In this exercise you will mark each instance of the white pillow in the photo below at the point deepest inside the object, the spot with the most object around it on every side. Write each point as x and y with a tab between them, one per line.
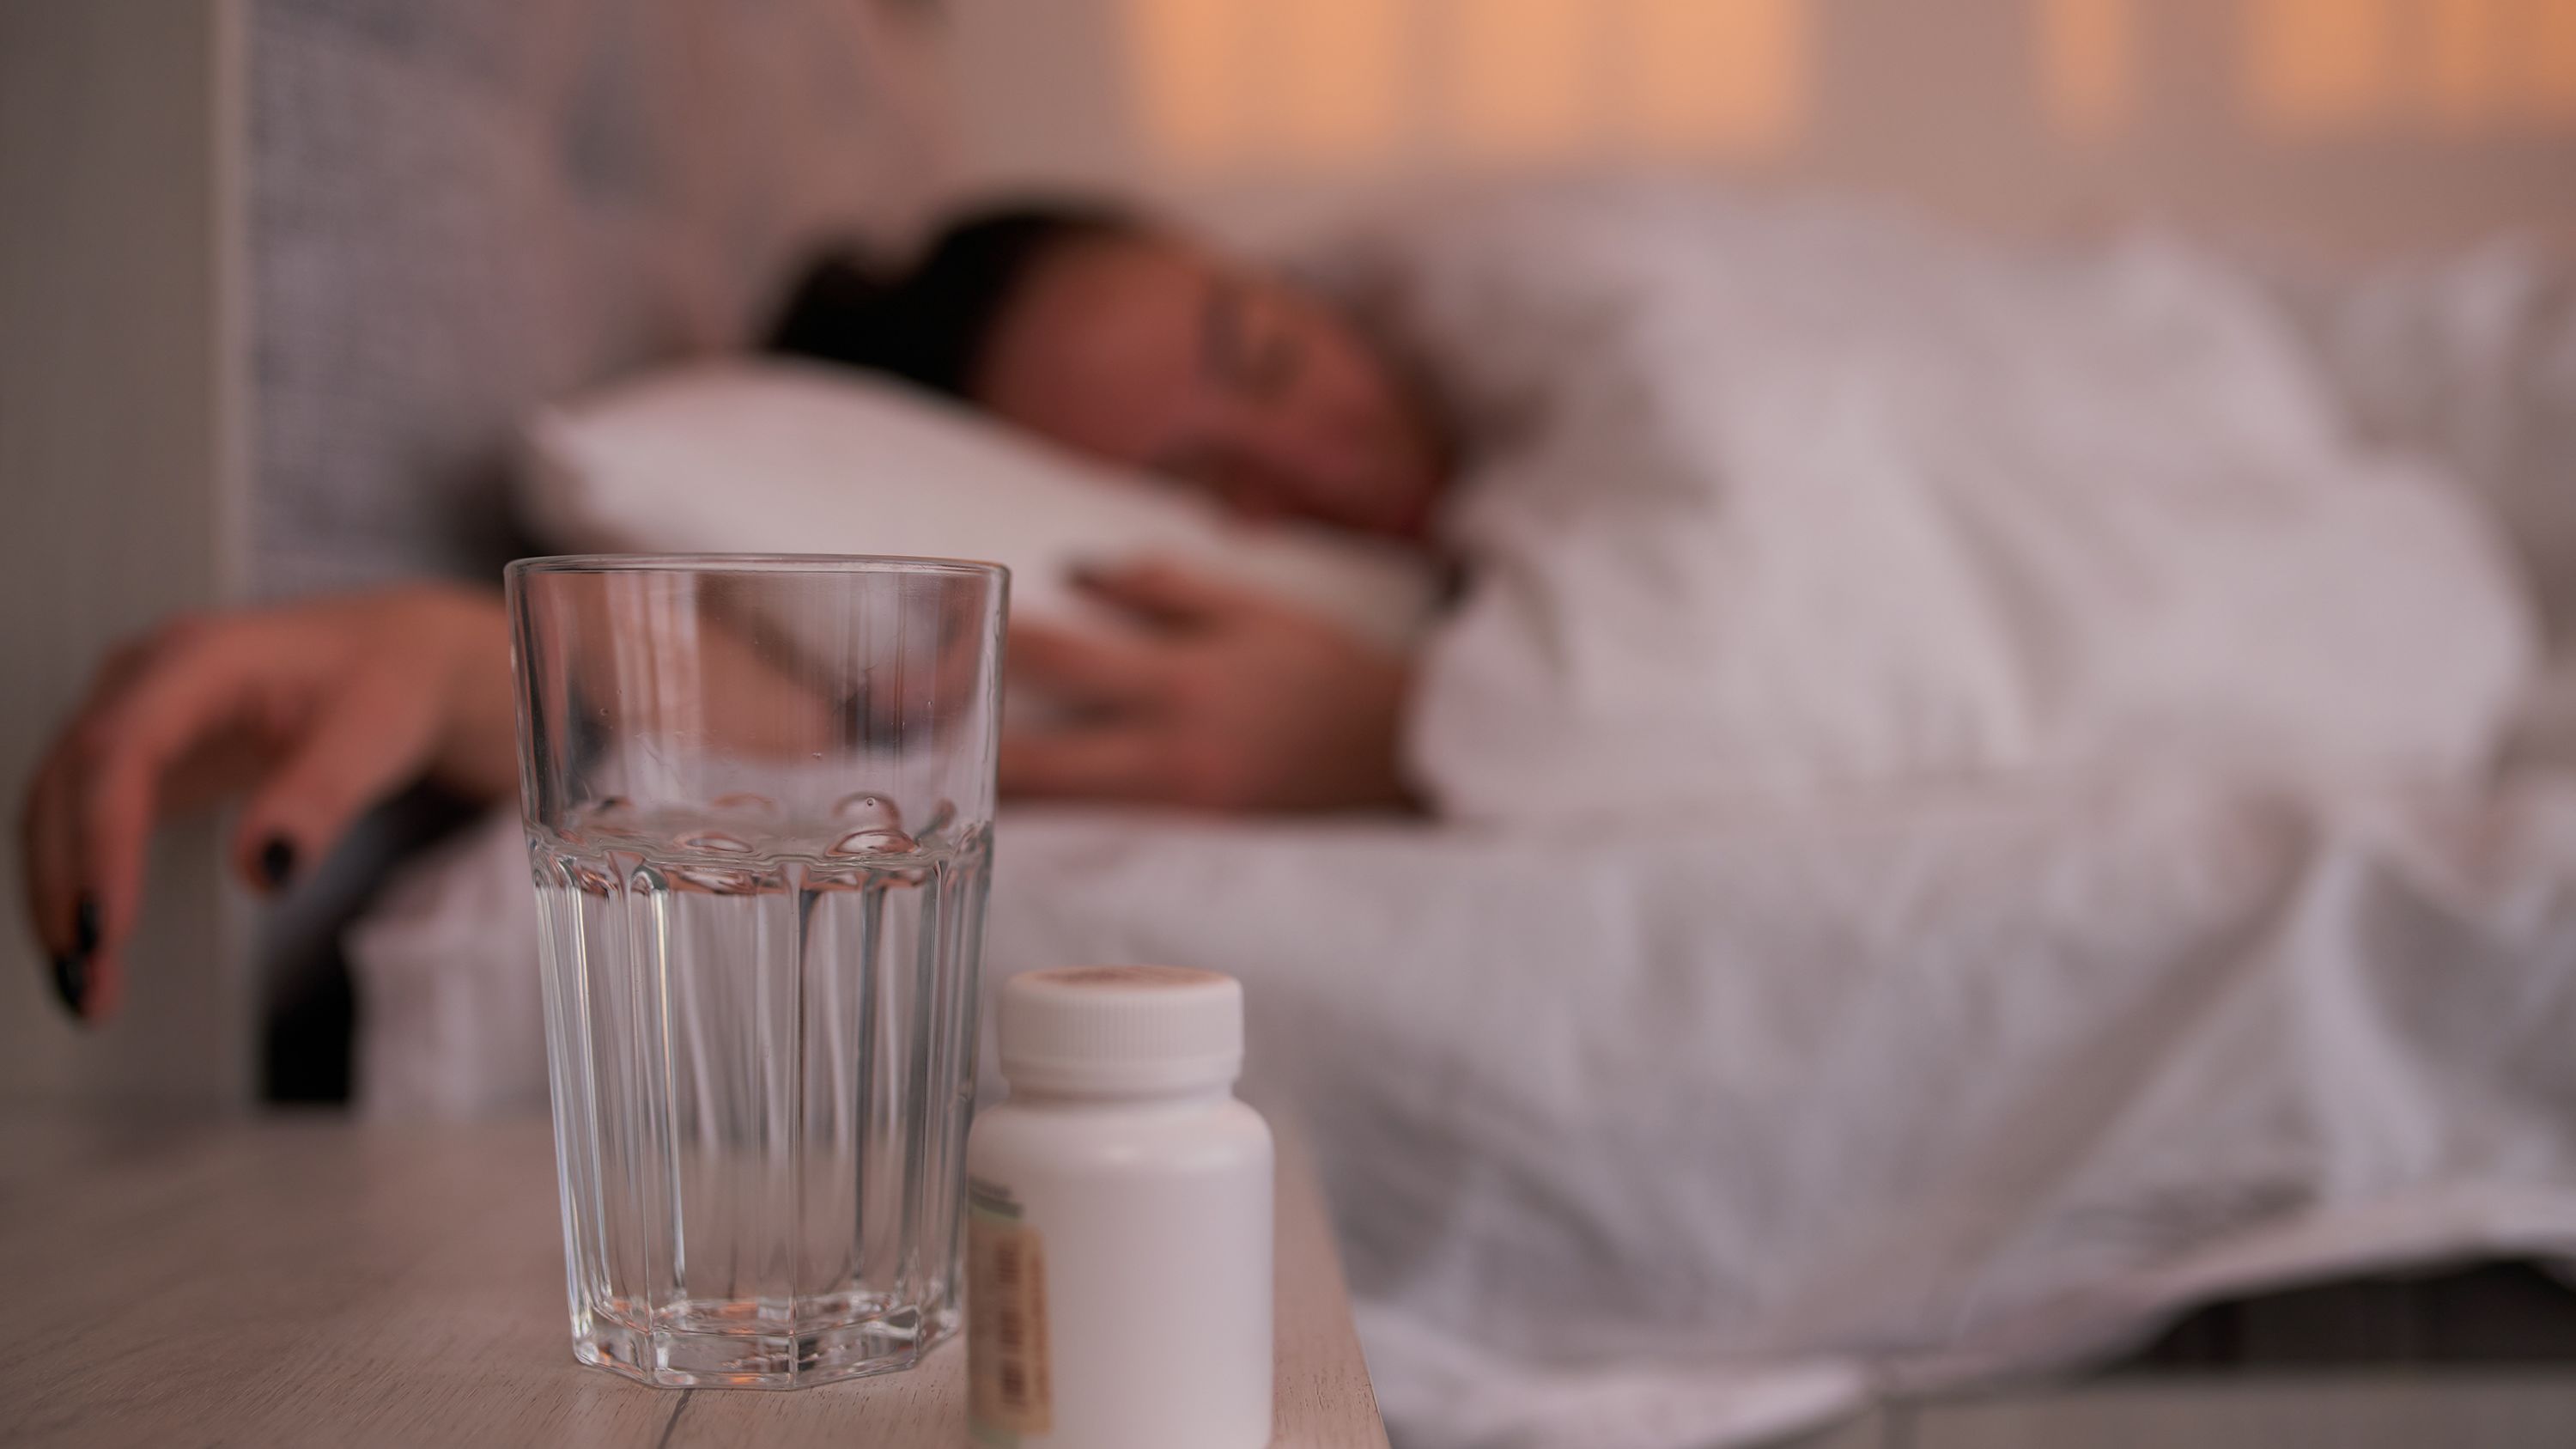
776	457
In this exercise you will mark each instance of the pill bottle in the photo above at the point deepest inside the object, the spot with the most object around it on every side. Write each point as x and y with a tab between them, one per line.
1118	1231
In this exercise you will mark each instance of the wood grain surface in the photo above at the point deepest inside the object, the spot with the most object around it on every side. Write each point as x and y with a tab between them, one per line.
315	1282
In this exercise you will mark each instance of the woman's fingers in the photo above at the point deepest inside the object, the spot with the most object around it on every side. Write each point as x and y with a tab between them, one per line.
362	745
201	684
1087	668
1114	762
64	912
1167	593
49	852
329	705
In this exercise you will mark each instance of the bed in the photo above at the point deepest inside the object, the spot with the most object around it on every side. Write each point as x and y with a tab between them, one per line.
1687	1137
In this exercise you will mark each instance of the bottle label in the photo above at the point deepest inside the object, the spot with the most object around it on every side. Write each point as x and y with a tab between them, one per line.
1006	1320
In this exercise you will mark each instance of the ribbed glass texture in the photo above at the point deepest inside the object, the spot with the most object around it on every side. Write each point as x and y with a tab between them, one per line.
758	795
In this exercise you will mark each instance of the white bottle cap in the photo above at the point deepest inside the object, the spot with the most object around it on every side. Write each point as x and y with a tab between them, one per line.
1121	1030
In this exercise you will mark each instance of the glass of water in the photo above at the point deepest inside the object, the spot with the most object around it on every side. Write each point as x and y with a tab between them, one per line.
759	801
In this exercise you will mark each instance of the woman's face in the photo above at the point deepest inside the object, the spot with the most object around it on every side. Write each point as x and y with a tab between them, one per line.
1150	353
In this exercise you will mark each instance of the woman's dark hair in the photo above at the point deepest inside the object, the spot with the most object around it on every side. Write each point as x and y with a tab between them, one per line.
930	325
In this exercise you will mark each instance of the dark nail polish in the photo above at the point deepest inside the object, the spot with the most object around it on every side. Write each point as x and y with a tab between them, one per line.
277	861
71	983
85	931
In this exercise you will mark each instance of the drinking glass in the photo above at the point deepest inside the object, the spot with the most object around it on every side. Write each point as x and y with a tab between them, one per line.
759	798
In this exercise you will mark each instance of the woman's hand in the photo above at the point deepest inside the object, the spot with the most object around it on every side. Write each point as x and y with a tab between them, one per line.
1221	699
320	709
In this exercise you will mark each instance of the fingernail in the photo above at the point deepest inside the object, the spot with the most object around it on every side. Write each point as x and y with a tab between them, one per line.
277	861
71	983
85	933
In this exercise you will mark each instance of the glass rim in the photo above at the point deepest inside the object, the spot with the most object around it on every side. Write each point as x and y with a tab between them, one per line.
751	563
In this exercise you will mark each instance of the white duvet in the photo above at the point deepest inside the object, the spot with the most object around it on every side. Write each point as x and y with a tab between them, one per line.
1770	497
1673	1138
1879	939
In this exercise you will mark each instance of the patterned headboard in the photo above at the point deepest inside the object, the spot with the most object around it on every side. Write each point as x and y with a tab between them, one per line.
460	209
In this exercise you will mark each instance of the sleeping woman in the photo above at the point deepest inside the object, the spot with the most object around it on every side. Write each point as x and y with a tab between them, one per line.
1752	502
1130	342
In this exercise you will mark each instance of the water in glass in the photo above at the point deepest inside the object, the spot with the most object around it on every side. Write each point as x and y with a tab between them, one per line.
762	1030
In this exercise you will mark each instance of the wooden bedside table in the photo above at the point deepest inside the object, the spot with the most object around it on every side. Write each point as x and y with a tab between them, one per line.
309	1280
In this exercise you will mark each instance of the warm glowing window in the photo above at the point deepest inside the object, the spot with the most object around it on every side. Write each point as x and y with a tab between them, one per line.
1317	82
1188	83
2340	65
1345	83
2318	64
1515	76
1699	77
2088	64
2549	62
2468	69
1353	85
1337	75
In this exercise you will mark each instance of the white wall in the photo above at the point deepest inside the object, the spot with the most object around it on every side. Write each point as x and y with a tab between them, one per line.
2336	125
115	468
